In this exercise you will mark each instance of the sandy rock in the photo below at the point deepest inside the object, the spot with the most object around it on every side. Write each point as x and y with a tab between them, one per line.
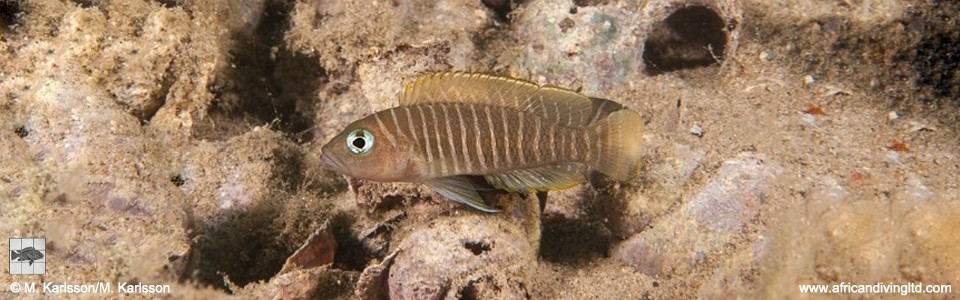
20	184
151	57
735	195
733	277
704	223
472	254
860	237
385	195
405	63
110	189
597	48
631	208
340	39
236	176
377	239
67	123
372	283
367	69
145	58
594	48
315	283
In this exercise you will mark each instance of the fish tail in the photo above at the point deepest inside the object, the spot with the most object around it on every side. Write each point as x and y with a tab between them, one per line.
14	255
620	136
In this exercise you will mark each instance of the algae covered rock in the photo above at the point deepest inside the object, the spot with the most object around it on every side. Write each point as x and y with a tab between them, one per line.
468	254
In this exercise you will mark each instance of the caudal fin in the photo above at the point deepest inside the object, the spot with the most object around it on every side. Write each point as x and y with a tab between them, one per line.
14	255
620	137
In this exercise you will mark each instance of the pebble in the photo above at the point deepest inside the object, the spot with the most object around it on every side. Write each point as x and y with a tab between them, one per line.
696	130
766	56
892	116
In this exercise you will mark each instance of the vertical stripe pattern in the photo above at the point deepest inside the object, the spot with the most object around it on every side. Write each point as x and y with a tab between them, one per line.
465	138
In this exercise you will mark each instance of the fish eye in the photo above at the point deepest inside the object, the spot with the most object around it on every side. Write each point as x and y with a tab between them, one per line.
360	141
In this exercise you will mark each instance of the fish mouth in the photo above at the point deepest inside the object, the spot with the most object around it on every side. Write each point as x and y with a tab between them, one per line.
331	162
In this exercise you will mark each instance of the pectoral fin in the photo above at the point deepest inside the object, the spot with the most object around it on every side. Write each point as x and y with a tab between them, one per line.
460	189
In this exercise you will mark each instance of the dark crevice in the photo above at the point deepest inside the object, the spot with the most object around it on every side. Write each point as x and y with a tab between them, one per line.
266	83
177	180
169	3
9	13
501	8
243	248
86	3
297	77
294	78
21	131
349	253
470	291
691	37
573	241
583	3
478	247
937	60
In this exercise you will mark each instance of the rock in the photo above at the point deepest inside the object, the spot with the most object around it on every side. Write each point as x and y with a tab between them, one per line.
629	208
384	195
734	197
766	56
376	240
151	56
706	222
837	234
345	33
317	250
729	280
315	283
373	281
470	254
108	170
385	73
596	49
232	177
600	47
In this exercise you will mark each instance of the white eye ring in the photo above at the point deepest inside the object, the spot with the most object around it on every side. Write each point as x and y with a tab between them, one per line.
360	141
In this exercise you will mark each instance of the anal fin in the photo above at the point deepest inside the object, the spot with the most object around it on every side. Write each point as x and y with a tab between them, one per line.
545	178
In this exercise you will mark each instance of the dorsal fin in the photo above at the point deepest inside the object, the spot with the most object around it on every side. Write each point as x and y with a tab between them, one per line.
559	105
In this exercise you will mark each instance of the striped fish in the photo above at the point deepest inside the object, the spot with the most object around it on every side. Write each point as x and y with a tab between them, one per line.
519	137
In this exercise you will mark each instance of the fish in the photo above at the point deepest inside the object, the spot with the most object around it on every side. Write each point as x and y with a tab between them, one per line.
28	253
450	128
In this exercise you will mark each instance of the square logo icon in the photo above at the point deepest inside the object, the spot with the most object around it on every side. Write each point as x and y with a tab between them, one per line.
28	256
